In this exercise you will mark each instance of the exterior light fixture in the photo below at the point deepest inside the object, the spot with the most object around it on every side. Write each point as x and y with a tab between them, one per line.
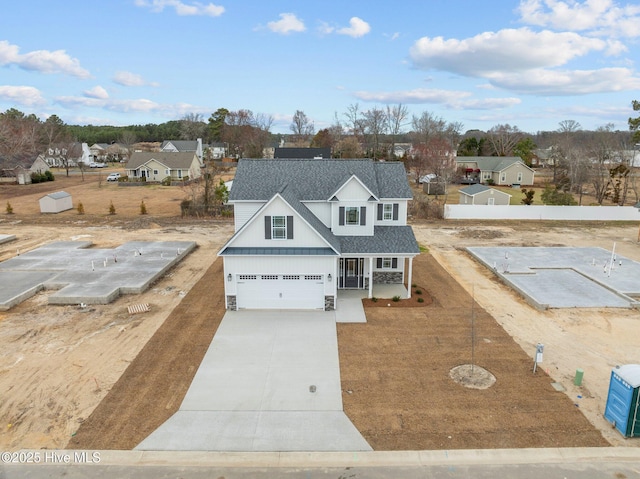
329	277
229	277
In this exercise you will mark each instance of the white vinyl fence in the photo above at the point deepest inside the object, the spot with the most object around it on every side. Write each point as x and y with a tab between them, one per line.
540	212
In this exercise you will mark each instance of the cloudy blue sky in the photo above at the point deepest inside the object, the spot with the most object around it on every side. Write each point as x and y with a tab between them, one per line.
529	63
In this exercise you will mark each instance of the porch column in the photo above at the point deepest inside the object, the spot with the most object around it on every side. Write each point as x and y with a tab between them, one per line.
370	278
409	278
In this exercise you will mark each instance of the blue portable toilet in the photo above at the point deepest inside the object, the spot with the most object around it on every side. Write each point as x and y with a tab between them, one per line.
623	400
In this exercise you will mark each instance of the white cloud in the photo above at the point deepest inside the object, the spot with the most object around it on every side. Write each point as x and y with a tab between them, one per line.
126	78
97	92
288	23
596	16
182	9
22	95
568	82
43	61
450	98
357	28
505	50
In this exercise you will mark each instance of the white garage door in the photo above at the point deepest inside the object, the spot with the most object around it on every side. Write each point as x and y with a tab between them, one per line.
278	291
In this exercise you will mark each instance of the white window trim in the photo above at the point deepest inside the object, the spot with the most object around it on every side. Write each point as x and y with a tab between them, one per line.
387	263
347	222
387	212
278	228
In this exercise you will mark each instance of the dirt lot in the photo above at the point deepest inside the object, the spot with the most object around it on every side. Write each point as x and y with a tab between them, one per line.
85	378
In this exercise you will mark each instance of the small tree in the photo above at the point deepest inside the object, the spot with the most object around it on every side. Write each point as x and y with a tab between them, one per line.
221	192
112	209
143	208
9	208
80	208
528	196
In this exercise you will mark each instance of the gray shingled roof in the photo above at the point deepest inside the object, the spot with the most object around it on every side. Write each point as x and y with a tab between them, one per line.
490	163
474	189
180	160
385	240
182	145
259	180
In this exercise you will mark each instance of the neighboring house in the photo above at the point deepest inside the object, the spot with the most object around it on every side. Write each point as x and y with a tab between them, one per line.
99	151
63	156
502	170
483	195
217	151
39	166
302	153
156	166
306	229
184	146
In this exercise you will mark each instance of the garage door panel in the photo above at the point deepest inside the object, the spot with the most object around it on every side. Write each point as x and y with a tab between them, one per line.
280	292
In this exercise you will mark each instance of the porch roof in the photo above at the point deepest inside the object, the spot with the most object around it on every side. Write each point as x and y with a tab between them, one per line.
386	240
244	251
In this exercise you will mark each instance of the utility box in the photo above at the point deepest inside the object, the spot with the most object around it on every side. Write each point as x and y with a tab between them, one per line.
623	400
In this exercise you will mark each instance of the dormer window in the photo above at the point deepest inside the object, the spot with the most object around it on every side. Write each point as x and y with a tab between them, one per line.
352	215
387	213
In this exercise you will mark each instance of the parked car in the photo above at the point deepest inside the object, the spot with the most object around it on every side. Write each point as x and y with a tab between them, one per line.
113	177
93	164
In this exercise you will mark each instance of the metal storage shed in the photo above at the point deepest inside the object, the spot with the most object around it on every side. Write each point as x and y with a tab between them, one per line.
623	400
56	202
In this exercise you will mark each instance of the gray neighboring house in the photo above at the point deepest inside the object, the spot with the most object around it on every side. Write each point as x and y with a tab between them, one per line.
184	146
483	195
156	166
305	229
502	170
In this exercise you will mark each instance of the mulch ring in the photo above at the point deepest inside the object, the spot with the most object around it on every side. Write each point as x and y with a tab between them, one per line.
420	297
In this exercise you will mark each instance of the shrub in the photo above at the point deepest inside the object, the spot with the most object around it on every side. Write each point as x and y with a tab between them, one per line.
166	181
143	208
80	208
9	208
48	176
395	299
123	178
112	209
413	285
374	299
418	291
420	300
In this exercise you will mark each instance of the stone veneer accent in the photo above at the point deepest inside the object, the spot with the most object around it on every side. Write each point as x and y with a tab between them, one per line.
387	277
329	303
231	303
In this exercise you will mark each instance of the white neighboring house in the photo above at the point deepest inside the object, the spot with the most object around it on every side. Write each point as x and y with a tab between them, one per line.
158	165
305	229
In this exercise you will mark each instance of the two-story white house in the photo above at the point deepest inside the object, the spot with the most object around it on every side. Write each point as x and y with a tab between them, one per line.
305	229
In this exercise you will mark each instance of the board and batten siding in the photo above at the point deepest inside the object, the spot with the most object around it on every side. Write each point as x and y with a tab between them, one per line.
322	211
243	211
402	213
253	235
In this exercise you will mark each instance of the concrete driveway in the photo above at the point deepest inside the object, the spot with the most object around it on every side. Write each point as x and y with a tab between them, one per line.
270	381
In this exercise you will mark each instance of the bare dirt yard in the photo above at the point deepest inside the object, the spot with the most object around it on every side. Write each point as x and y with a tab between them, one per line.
102	378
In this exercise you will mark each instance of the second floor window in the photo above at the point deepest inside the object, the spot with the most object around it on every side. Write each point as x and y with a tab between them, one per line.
279	227
352	215
387	213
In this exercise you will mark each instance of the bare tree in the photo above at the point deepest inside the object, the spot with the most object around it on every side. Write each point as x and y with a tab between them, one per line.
193	126
600	151
375	123
302	127
397	119
355	121
503	139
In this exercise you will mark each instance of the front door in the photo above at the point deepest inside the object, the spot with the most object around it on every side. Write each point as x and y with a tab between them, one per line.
351	270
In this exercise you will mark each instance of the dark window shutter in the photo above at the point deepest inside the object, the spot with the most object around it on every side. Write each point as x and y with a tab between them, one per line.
379	263
341	216
380	208
363	215
267	227
289	227
394	263
395	211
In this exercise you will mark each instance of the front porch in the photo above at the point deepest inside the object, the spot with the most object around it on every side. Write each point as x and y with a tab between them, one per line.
380	277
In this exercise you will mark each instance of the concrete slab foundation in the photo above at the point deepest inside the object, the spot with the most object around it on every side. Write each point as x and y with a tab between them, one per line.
87	275
7	238
270	381
565	277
